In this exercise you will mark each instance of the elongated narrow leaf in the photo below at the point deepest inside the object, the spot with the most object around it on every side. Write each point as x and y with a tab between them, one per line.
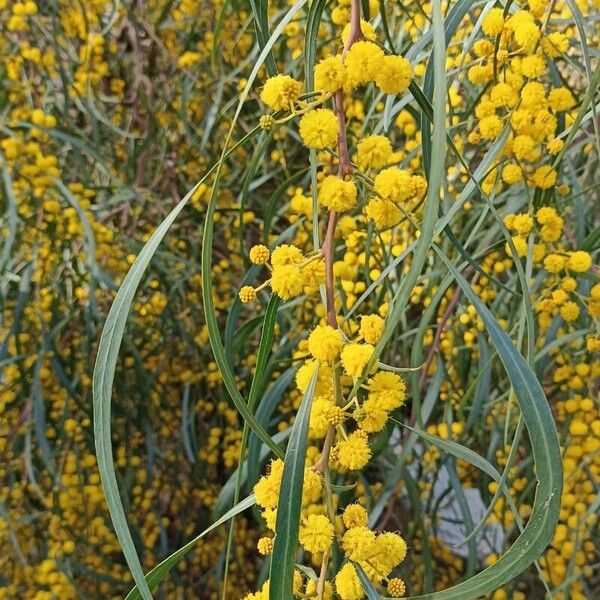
546	454
290	502
104	373
159	572
366	583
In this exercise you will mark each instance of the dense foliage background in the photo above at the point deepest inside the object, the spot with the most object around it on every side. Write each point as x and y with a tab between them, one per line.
111	112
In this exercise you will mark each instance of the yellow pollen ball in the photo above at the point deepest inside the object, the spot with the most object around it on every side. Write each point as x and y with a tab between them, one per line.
319	128
325	343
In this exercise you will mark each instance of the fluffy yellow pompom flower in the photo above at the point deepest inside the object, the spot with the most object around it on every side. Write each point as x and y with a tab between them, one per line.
312	487
527	34
286	254
493	22
544	177
371	417
325	343
316	533
561	99
287	281
319	128
362	62
266	489
387	389
355	358
347	584
579	261
554	263
512	174
384	213
373	152
324	382
355	515
259	254
393	74
371	328
393	184
354	453
358	543
390	550
330	74
569	311
337	194
280	91
490	127
319	416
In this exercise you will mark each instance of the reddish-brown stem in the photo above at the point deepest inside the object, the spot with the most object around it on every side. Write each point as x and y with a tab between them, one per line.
438	334
328	247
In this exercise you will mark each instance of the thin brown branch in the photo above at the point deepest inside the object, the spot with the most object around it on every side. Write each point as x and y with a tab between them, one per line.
438	333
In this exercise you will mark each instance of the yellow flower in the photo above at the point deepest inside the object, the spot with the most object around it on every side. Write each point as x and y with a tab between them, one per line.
393	184
355	358
393	74
396	587
579	261
384	213
305	372
265	546
362	61
554	263
347	584
358	543
544	177
371	328
330	74
521	223
512	174
280	91
319	128
569	311
387	389
493	22
372	416
355	515
286	254
287	281
389	551
266	489
337	194
373	152
561	99
319	416
316	533
325	343
354	453
490	127
527	34
247	294
259	254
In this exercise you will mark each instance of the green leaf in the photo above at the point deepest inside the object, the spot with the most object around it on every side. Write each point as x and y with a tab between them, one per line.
310	41
546	454
290	502
366	582
104	373
159	572
260	12
459	451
